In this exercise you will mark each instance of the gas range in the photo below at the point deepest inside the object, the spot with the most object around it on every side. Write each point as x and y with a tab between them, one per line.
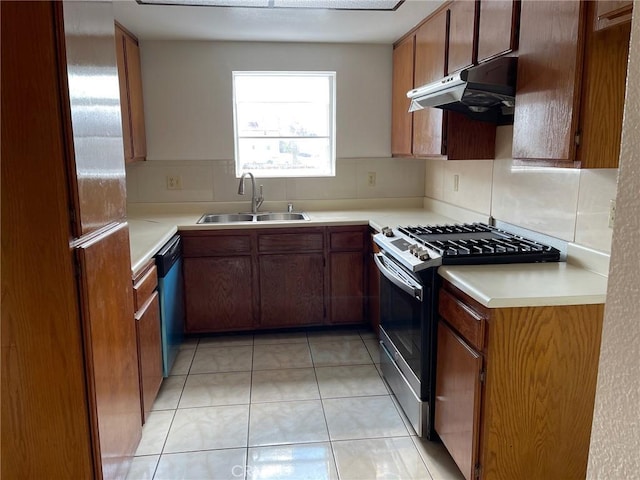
419	247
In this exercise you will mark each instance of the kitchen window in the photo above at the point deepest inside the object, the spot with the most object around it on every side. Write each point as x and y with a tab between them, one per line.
284	123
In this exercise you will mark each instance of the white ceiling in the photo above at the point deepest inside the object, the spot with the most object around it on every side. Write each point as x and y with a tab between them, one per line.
153	22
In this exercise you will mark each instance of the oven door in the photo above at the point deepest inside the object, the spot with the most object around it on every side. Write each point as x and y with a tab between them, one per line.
406	334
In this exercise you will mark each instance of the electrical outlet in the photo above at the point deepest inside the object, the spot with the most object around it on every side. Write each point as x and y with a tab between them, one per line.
456	183
371	179
612	212
174	182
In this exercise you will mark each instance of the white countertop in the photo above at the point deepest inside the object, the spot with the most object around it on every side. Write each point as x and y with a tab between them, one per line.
512	285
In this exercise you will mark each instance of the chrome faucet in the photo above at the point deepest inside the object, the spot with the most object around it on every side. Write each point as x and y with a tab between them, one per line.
256	201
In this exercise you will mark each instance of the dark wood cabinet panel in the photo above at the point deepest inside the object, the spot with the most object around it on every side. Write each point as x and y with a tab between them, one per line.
603	94
611	13
549	80
464	319
430	65
131	99
498	28
110	342
462	34
291	290
218	294
46	432
401	119
291	241
346	238
208	244
99	186
285	277
347	277
570	87
373	294
469	139
457	405
144	284
149	352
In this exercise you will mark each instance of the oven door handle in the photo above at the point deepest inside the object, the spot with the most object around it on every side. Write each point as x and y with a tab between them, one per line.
412	290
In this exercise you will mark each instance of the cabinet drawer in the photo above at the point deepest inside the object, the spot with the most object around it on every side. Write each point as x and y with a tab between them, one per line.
287	242
144	285
214	245
350	240
466	321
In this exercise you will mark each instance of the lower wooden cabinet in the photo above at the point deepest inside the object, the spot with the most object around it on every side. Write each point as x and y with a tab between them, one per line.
291	290
218	294
457	405
274	278
148	336
515	387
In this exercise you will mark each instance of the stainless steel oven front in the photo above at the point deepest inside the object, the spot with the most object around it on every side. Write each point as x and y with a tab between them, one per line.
407	338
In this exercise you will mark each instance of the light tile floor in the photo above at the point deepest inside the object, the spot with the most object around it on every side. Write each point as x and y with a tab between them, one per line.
283	406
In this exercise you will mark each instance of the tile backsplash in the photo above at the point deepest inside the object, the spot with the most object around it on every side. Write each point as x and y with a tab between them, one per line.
215	181
570	204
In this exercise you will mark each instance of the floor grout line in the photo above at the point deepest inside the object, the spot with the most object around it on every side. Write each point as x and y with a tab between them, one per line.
331	442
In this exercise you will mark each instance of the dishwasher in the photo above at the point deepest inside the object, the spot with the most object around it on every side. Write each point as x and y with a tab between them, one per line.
171	294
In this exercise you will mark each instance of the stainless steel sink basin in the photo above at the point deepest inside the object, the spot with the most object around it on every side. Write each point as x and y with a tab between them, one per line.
227	218
252	217
262	217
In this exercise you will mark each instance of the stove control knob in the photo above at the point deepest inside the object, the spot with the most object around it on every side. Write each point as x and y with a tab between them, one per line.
387	232
424	255
413	248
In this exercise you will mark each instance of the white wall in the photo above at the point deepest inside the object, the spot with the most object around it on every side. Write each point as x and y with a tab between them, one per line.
615	436
188	114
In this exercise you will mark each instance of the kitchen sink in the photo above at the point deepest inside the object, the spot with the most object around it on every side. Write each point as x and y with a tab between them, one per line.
281	216
227	218
252	217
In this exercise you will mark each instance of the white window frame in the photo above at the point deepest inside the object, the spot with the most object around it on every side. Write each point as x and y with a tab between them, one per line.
282	173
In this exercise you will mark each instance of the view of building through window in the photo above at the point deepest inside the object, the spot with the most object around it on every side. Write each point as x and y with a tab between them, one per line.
284	123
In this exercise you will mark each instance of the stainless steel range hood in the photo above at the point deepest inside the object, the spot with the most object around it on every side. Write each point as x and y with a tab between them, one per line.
483	92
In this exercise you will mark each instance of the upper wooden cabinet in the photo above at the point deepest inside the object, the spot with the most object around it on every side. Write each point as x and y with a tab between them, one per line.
498	28
131	102
422	57
430	66
462	34
610	13
401	119
570	87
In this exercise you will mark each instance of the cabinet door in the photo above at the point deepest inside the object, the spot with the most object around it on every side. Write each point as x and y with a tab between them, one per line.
111	348
96	161
131	101
401	119
346	271
548	85
428	124
218	294
610	13
462	34
457	405
124	94
498	28
291	290
603	93
136	105
149	352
